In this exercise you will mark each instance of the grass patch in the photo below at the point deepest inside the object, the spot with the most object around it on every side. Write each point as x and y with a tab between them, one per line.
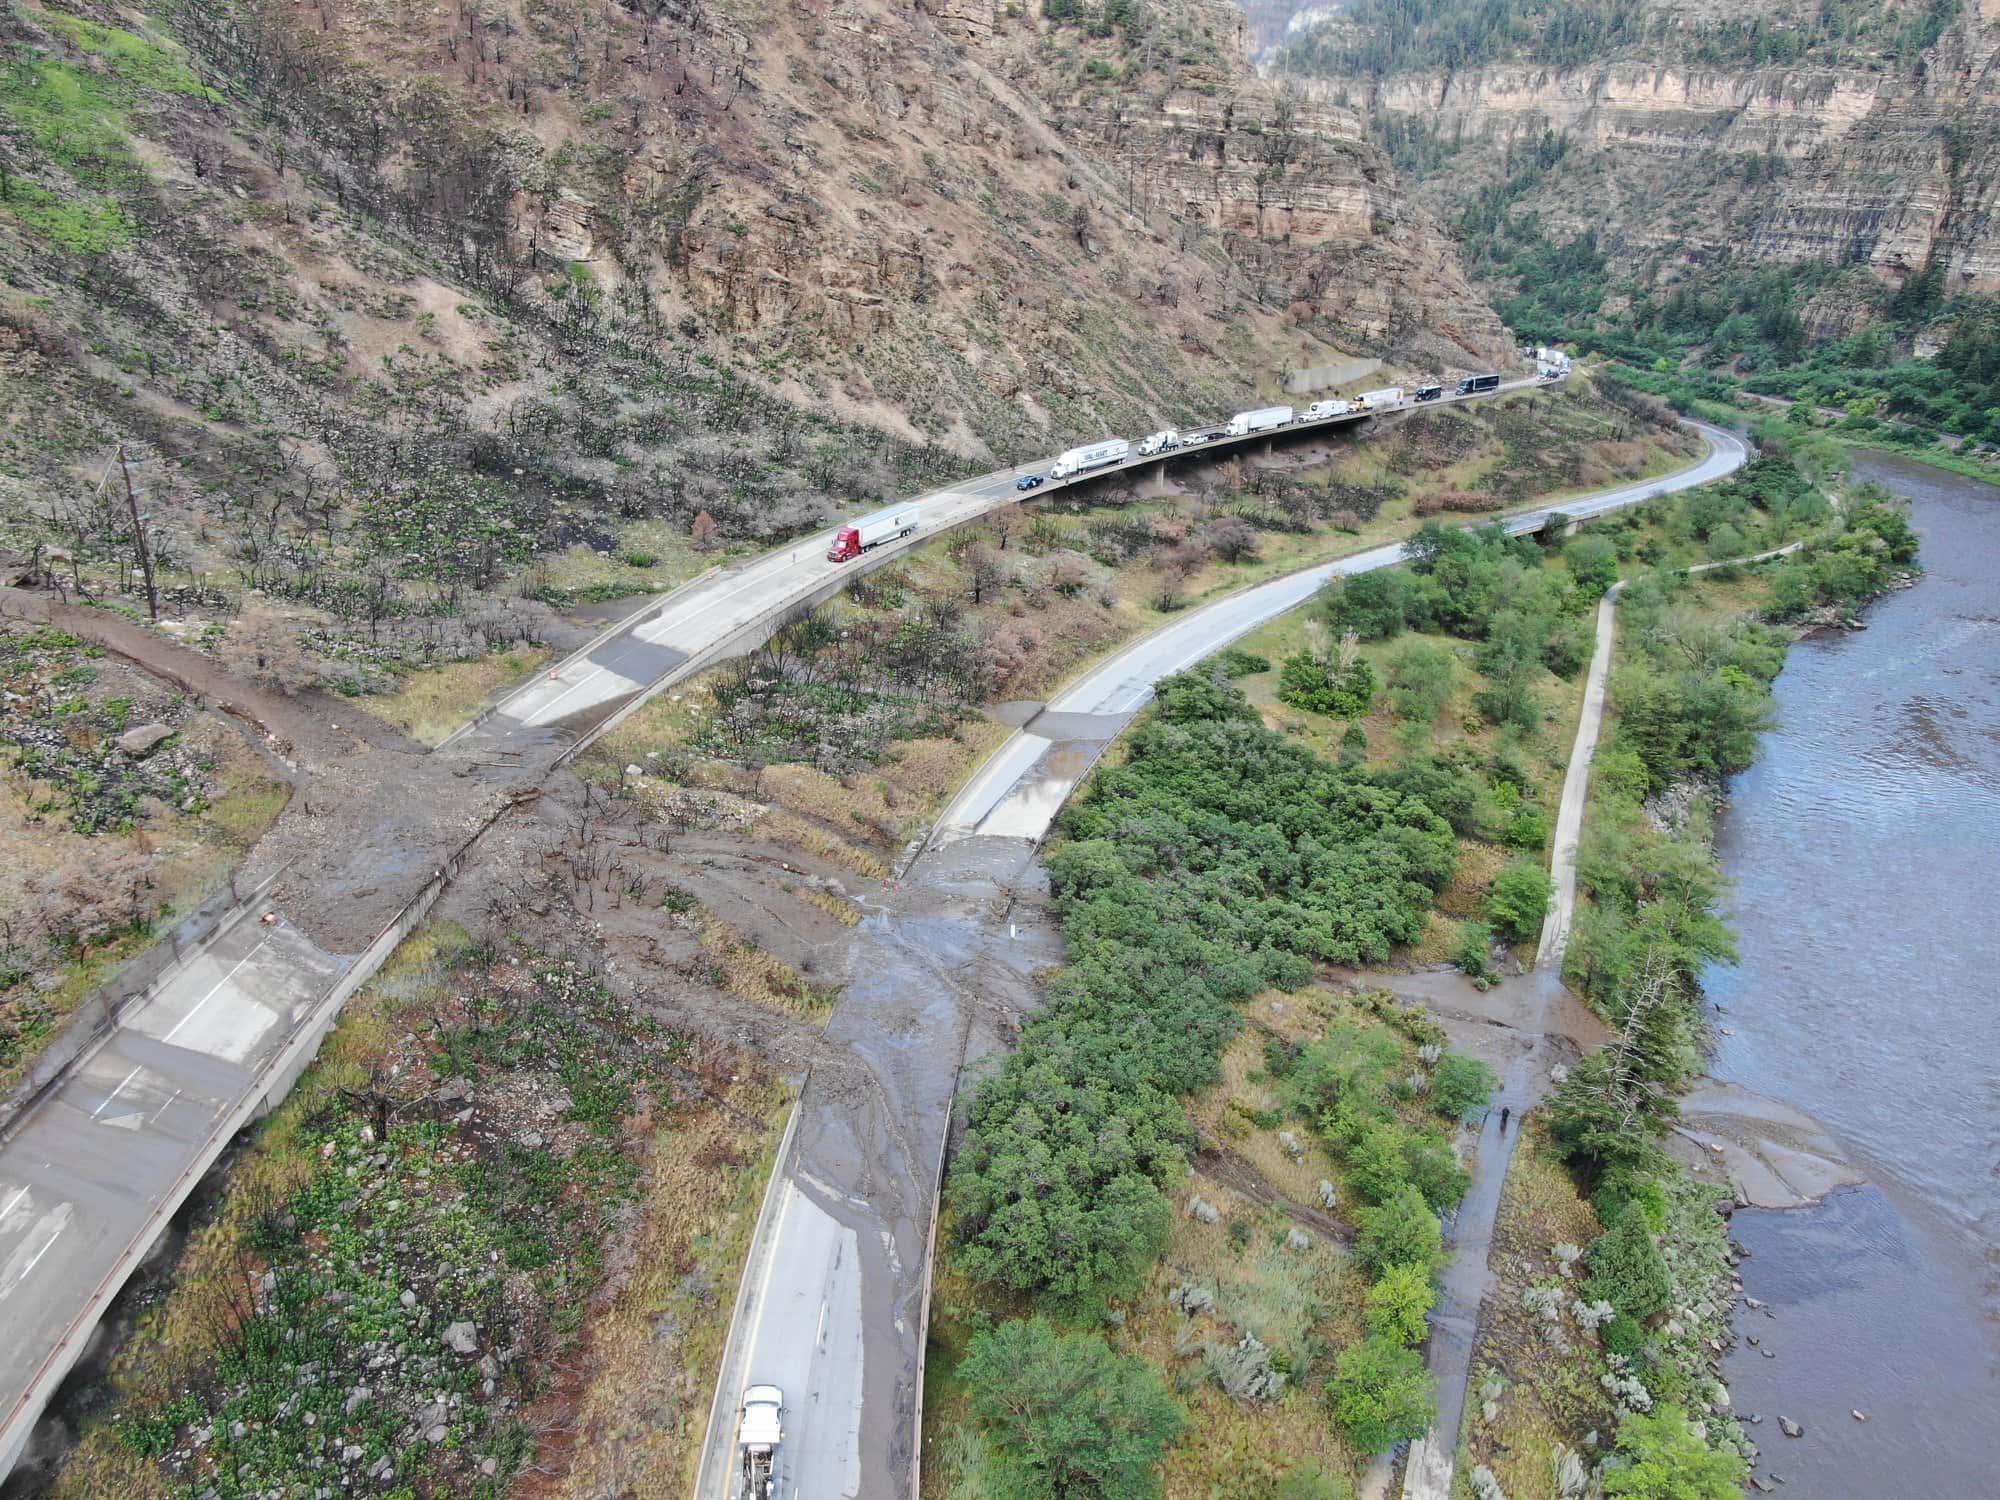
743	968
430	704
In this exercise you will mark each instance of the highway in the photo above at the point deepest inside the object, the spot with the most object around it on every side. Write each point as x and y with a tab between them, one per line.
861	1196
92	1171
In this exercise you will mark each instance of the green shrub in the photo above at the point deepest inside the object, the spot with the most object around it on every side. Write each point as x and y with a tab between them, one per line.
1381	1394
1401	1231
1519	899
1065	1415
1627	1269
1462	1086
1661	1456
1397	1303
1321	687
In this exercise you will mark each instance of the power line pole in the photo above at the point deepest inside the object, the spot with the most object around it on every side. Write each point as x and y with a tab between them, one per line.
139	537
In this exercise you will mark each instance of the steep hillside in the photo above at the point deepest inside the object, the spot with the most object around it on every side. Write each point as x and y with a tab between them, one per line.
388	298
1853	132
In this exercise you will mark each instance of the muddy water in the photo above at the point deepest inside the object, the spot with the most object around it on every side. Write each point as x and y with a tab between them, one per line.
1864	845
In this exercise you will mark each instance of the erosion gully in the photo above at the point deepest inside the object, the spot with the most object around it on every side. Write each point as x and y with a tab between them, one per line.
1862	846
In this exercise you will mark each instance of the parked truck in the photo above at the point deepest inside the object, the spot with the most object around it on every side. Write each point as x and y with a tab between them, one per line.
1382	400
1091	456
872	531
1320	409
1160	442
1473	384
1262	420
759	1430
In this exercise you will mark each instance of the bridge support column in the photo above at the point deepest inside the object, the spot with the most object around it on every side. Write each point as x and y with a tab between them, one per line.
1154	481
1270	447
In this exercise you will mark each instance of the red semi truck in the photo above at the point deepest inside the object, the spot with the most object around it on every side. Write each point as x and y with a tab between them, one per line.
872	531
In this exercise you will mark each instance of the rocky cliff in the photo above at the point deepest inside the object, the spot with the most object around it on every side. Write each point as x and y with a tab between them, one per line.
1860	148
523	225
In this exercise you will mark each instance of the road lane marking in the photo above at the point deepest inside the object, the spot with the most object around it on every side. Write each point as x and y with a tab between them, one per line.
114	1093
163	1109
21	1263
203	1001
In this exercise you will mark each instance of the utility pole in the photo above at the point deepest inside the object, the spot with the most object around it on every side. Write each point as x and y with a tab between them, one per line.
139	537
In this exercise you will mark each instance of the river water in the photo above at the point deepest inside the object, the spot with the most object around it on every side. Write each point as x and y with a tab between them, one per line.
1863	844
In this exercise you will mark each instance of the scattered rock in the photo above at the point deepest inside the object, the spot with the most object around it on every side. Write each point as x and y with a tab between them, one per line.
1289	1144
1767	1354
1790	1428
144	740
437	1434
1297	1239
1763	1485
463	1338
1752	1340
1199	1208
408	1299
1859	1416
1329	1195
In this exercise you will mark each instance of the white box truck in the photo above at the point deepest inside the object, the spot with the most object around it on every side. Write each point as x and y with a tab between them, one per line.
872	531
1160	442
1321	409
1262	420
1090	456
1389	395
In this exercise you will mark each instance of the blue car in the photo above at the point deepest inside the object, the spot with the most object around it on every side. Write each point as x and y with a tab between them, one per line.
1028	482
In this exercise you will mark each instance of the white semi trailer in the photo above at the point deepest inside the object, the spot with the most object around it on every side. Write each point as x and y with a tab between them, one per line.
1321	409
1090	456
1262	420
1388	396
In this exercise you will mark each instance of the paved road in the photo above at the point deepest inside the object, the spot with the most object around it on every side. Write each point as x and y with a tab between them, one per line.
874	1169
1026	782
91	1174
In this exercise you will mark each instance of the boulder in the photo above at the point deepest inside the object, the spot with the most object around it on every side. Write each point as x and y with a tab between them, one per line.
144	740
462	1338
1790	1428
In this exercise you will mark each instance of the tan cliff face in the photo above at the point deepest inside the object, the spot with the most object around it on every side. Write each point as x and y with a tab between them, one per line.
936	219
1874	163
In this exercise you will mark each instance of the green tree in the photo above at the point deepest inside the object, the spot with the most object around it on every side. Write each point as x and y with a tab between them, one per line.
1422	677
1592	562
1397	1302
1401	1232
1661	1457
1519	899
1381	1394
1462	1085
1065	1415
1627	1269
1372	605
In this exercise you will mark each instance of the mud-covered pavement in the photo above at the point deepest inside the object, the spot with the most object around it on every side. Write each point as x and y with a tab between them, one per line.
939	973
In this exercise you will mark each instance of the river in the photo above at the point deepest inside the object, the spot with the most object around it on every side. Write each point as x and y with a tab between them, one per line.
1863	846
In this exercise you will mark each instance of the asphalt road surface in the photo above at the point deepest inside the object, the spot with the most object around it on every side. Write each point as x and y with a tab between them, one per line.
861	1176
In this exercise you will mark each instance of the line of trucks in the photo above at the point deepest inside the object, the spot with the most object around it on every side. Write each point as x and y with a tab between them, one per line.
900	520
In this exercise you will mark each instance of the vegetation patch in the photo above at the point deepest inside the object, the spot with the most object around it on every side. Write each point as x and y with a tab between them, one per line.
393	1294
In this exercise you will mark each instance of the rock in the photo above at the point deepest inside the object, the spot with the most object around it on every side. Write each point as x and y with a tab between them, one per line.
1767	1354
408	1299
352	1453
1329	1195
437	1434
489	1367
1763	1485
1751	1302
143	741
1859	1416
1297	1239
1752	1340
1199	1208
462	1338
1790	1428
1289	1144
532	1141
1755	1419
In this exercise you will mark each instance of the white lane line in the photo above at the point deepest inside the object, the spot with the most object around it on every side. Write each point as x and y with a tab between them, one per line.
163	1109
206	998
114	1093
11	1202
37	1258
